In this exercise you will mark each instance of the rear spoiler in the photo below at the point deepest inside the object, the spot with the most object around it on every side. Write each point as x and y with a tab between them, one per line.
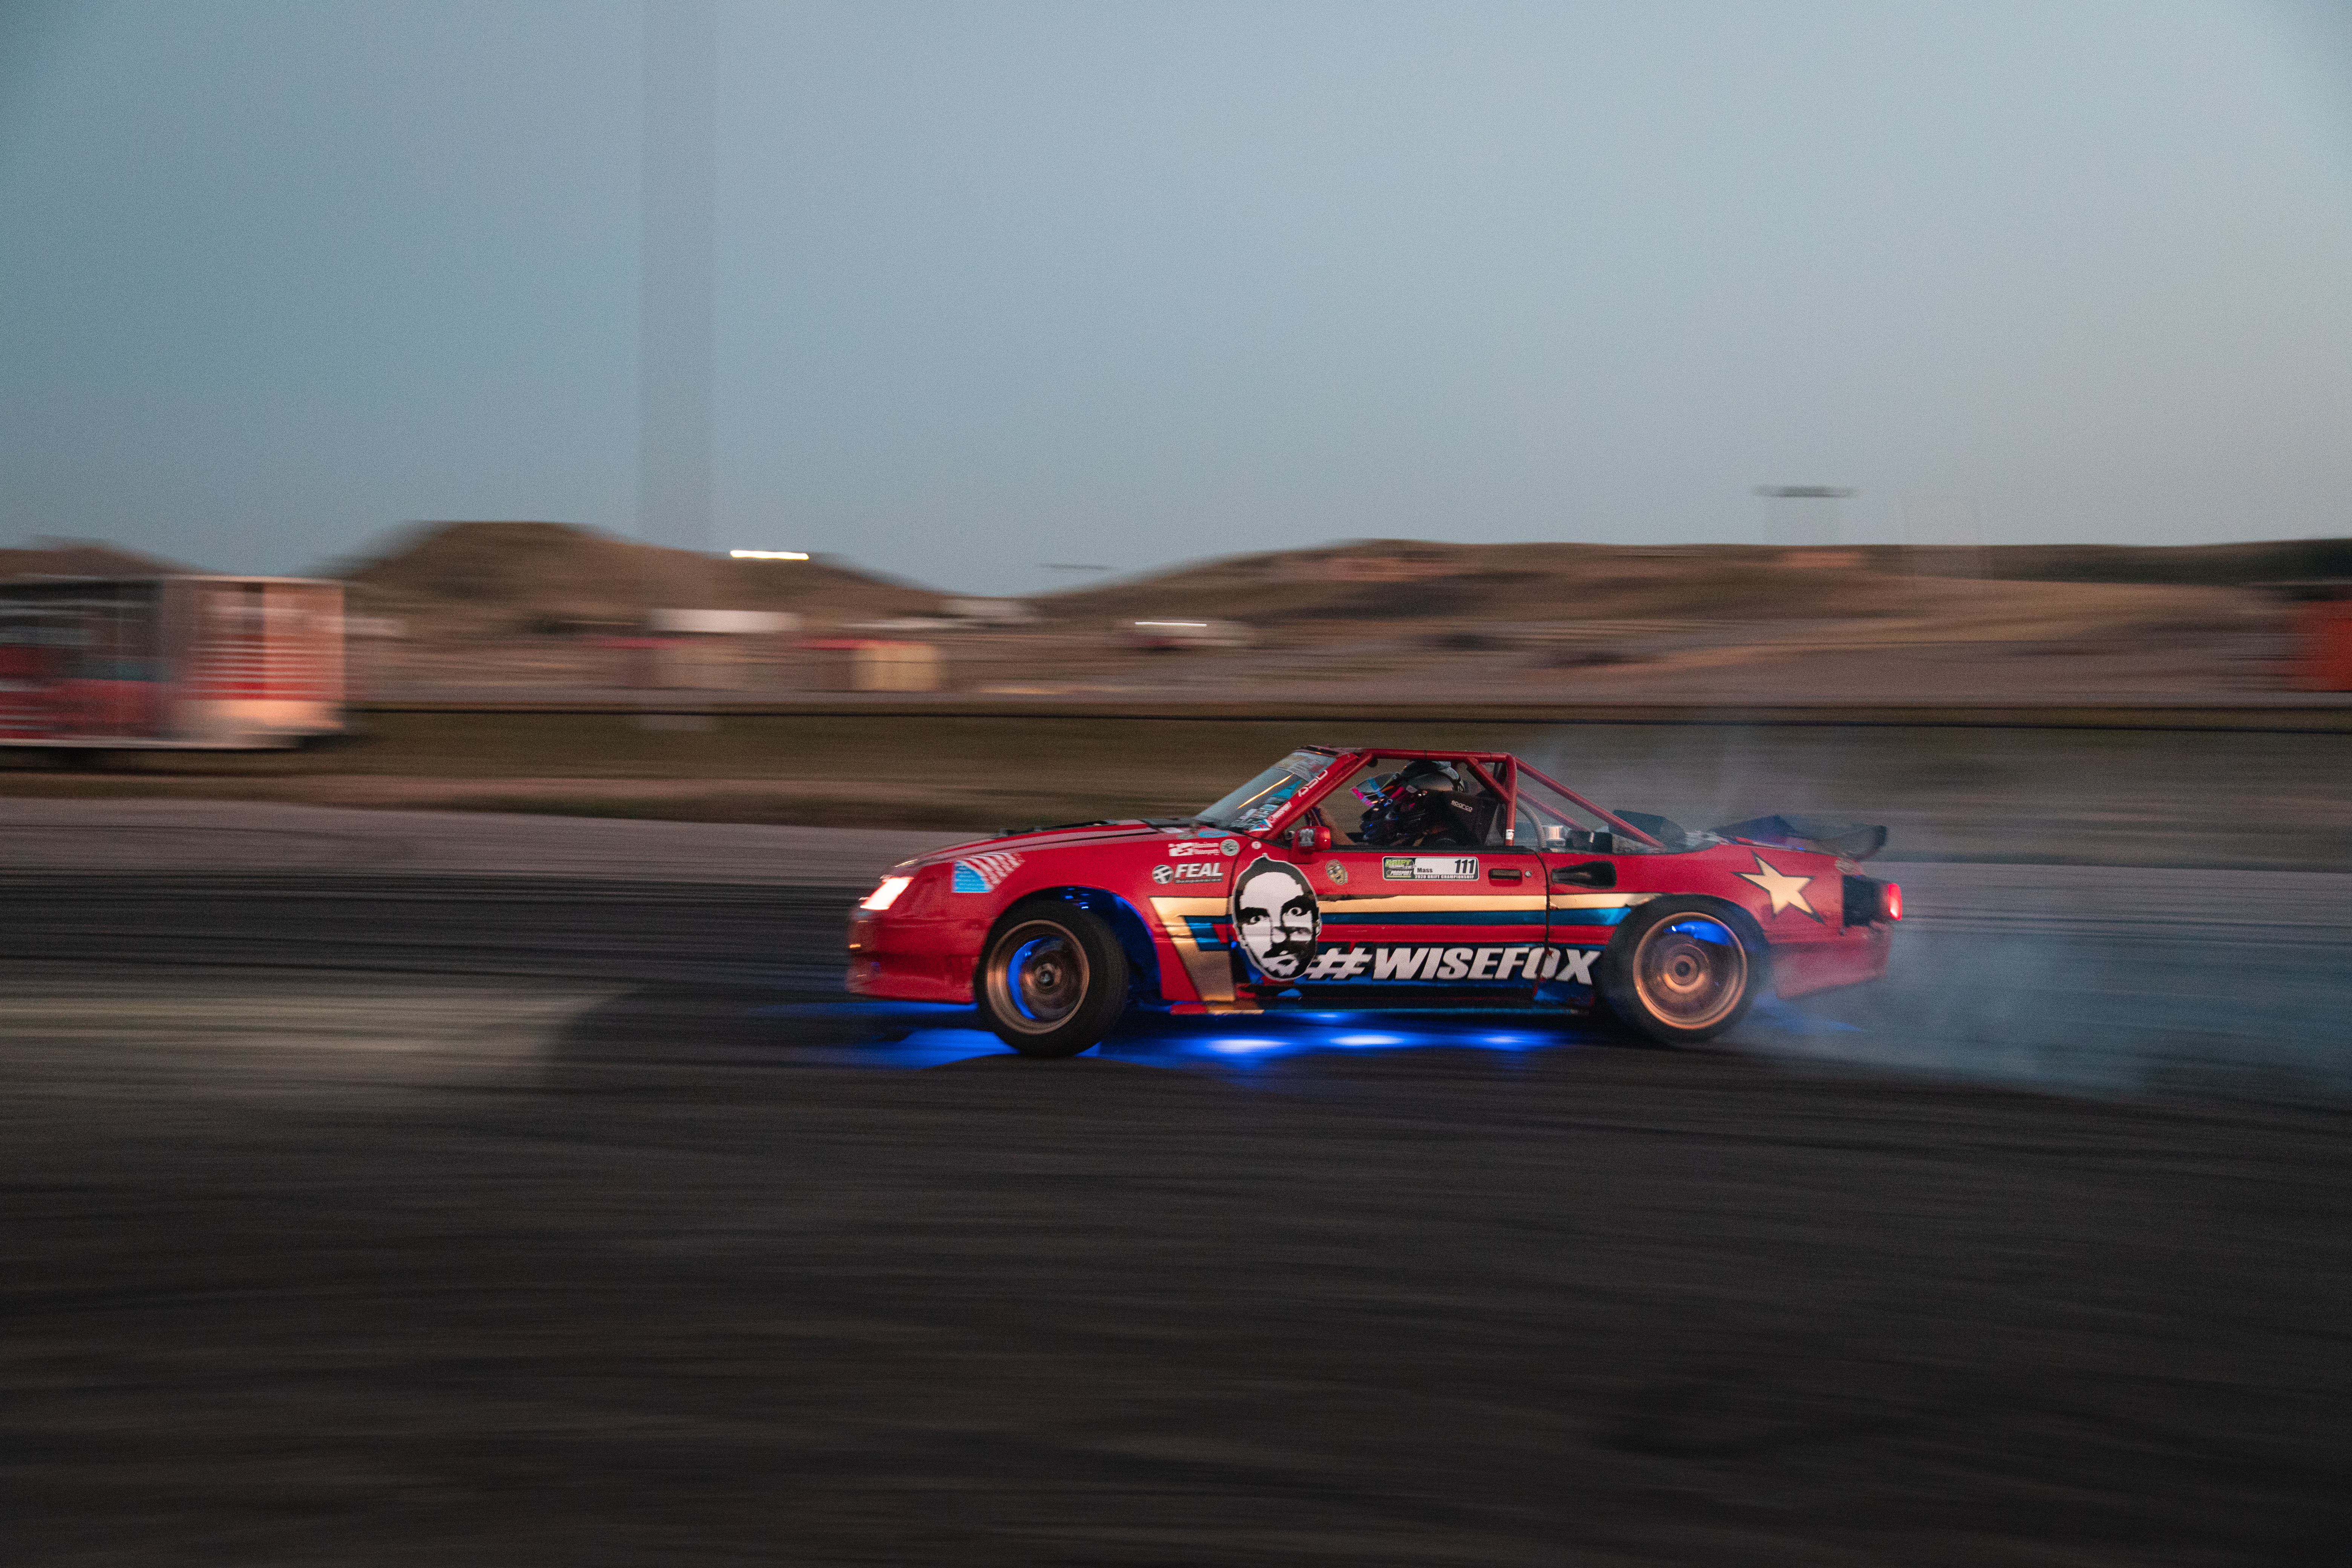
1854	840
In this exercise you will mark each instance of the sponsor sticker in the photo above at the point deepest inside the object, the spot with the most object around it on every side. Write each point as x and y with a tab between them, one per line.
1277	922
982	873
1339	870
1429	868
1521	964
1185	848
1191	871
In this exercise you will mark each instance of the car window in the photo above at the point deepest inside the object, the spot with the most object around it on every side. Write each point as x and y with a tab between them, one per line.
1344	809
1549	820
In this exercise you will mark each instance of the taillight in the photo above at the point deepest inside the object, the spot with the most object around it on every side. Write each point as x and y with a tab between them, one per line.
1869	901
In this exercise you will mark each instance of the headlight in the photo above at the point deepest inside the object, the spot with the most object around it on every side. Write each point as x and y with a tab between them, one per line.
883	897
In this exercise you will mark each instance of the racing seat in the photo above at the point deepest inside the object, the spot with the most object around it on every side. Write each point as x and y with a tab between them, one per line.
1474	818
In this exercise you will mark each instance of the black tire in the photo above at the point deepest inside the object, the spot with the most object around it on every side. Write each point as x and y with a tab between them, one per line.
1052	979
1683	970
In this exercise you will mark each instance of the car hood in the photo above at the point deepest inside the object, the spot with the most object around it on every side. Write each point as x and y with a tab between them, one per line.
1083	836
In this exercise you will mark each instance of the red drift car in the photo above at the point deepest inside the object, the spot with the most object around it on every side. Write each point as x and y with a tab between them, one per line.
1381	880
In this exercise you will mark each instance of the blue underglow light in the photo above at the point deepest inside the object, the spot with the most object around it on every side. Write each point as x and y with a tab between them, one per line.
852	1031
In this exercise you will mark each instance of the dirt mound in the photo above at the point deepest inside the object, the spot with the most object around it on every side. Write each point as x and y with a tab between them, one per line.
487	579
85	558
1386	581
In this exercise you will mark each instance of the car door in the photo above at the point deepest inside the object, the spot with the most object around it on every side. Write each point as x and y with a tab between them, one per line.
1584	868
1457	926
1583	910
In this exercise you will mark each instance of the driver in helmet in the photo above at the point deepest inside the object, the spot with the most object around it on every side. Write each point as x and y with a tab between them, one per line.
1422	803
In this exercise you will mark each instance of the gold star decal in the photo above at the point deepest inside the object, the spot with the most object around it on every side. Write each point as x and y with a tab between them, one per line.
1779	887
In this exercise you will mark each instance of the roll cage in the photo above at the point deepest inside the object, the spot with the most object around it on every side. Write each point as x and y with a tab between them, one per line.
1498	772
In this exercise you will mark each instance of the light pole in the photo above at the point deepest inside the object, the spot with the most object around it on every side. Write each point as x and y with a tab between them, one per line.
674	450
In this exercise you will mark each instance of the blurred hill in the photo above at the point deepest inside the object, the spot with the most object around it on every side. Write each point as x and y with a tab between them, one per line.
1390	580
473	609
1414	619
470	580
84	558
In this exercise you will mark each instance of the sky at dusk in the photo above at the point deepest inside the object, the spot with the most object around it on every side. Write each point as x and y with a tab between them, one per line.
1002	285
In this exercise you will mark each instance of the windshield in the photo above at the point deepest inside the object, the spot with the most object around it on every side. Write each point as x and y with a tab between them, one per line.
1249	808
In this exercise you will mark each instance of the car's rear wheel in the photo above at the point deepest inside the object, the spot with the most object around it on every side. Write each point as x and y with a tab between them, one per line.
1053	979
1683	970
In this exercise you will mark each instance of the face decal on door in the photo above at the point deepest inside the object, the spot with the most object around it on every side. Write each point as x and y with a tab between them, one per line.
1276	918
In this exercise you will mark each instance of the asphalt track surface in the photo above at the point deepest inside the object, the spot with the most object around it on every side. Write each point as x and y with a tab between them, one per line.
435	1218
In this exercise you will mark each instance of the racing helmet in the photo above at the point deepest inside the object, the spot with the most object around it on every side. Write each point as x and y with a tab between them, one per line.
1407	782
1410	805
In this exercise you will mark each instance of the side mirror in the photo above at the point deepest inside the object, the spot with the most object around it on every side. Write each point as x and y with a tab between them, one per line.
1590	874
1310	839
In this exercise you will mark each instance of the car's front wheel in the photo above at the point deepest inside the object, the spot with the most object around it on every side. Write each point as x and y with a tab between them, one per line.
1683	970
1053	979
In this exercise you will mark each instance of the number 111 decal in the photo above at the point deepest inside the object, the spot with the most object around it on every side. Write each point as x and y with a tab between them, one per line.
1429	868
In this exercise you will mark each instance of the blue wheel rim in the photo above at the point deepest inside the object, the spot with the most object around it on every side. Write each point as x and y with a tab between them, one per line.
1692	972
1037	976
